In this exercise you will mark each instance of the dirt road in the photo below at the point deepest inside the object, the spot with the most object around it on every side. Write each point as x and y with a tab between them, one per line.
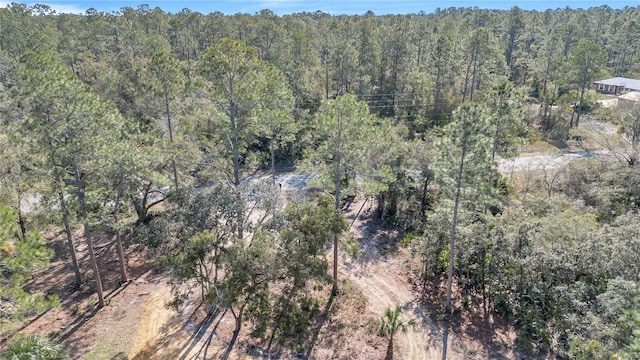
384	288
165	334
525	163
383	280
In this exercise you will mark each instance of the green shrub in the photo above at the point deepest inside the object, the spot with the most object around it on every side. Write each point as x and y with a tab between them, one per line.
34	348
587	350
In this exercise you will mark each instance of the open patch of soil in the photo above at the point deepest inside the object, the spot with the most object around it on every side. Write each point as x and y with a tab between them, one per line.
77	324
136	324
389	280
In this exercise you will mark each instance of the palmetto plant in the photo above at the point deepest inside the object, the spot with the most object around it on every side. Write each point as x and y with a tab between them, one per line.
34	347
389	326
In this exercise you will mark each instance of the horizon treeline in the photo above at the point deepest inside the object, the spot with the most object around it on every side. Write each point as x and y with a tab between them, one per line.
416	67
141	127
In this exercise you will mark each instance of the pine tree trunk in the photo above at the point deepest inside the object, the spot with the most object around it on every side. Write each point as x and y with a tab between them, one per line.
87	234
445	340
21	220
425	192
466	82
170	126
273	157
140	206
473	77
338	183
483	281
233	139
582	91
123	265
69	236
454	223
380	206
65	219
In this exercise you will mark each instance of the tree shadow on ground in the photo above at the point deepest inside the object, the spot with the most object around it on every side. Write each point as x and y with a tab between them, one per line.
466	321
375	241
321	321
204	349
78	306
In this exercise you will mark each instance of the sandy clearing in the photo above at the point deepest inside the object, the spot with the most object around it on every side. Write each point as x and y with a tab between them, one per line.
383	280
385	287
537	162
165	334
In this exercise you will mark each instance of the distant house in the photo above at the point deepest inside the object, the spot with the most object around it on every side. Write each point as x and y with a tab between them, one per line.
617	85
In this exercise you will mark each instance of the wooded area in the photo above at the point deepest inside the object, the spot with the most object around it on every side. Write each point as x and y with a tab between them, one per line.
145	125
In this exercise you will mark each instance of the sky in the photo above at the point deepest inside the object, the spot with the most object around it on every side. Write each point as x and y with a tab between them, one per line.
334	7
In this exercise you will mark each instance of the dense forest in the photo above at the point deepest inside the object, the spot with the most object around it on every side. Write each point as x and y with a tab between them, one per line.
144	125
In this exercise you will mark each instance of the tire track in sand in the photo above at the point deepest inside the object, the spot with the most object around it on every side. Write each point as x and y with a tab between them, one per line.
384	287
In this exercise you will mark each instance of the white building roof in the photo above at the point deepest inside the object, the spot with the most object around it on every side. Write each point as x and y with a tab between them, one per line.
630	84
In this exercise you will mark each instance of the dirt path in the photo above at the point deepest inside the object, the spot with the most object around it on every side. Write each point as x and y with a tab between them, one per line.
383	280
537	162
384	288
149	337
166	334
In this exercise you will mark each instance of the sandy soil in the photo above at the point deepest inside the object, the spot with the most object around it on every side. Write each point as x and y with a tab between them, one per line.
165	334
137	325
385	272
385	282
384	288
83	330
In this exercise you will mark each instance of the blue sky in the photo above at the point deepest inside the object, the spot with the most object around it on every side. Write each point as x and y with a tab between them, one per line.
335	7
